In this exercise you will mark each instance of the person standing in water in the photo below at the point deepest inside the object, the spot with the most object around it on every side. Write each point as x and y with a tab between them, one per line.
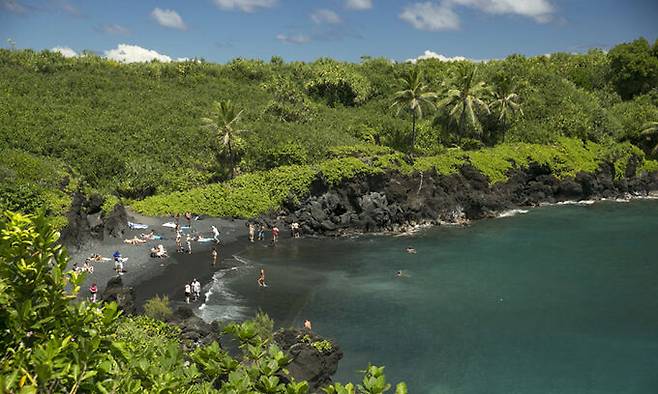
275	235
188	292
196	290
215	233
261	279
261	232
252	232
189	244
214	256
307	325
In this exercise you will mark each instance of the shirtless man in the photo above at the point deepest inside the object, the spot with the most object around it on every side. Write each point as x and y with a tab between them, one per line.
261	279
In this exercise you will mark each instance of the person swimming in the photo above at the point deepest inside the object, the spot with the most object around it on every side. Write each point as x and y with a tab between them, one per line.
410	250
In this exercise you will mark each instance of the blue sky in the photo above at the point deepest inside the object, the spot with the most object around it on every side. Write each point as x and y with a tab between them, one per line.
219	30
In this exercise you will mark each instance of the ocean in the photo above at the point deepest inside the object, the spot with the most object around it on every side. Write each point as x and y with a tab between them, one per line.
557	299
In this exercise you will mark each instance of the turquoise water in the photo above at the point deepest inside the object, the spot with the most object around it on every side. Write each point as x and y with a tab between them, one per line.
557	300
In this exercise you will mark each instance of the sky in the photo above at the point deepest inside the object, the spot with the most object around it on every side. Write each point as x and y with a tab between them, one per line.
220	30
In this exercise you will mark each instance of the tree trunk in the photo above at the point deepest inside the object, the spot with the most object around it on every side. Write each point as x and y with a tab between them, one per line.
413	132
230	160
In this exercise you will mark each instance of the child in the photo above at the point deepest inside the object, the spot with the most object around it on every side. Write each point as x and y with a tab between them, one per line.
93	289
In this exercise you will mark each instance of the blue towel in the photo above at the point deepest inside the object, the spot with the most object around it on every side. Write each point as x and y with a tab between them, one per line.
137	226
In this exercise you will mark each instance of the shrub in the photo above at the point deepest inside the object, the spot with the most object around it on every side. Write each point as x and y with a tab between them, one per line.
158	308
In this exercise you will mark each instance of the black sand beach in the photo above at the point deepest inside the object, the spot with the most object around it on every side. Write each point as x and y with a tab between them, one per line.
152	276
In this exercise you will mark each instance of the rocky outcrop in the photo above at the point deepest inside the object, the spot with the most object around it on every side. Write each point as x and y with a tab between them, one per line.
123	296
315	364
86	220
194	331
395	201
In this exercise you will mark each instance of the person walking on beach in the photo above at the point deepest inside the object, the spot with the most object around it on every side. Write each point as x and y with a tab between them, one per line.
188	292
196	289
93	289
215	233
275	235
179	243
214	256
261	232
252	232
261	279
189	244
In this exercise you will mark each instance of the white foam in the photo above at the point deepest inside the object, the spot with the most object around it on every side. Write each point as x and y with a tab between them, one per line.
511	212
228	306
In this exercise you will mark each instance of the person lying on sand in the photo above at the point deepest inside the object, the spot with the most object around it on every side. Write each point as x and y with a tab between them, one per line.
96	258
134	241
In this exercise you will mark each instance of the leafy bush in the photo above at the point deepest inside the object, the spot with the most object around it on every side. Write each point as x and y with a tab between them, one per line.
158	308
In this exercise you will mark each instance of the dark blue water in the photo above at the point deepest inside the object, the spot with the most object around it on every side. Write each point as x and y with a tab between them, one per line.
557	300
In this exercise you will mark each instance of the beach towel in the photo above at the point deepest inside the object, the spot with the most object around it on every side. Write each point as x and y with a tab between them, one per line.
137	226
205	239
169	224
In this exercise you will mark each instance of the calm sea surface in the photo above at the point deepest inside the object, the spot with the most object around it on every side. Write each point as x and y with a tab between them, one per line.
557	300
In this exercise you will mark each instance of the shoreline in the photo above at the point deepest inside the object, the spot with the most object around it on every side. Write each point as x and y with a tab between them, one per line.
150	276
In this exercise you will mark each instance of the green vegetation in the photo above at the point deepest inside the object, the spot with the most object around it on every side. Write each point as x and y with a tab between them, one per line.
256	193
132	131
52	343
158	308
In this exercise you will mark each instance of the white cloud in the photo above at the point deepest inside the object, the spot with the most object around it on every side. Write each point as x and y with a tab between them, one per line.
65	51
430	16
293	39
245	5
433	55
115	29
539	10
133	54
435	16
325	16
168	18
359	4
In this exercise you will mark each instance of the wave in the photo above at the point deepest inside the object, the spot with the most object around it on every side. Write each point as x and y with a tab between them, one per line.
511	212
220	303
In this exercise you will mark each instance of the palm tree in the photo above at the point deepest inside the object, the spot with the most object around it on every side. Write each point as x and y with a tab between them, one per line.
506	103
650	131
465	98
225	115
412	98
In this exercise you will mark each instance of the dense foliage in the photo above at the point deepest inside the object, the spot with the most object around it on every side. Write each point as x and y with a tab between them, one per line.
260	192
50	342
135	130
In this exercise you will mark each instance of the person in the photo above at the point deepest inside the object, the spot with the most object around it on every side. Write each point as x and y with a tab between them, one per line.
215	233
161	252
214	256
410	250
252	232
307	325
196	289
118	262
86	267
275	234
93	289
189	244
134	241
261	232
188	291
179	244
294	227
76	268
398	274
261	279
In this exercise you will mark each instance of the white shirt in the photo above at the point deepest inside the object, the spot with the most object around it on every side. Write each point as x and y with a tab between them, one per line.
187	289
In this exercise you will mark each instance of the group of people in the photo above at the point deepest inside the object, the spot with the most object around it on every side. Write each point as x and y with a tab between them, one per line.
192	289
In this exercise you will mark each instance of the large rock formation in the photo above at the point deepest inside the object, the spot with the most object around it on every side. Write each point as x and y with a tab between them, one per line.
309	363
396	201
123	296
86	220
